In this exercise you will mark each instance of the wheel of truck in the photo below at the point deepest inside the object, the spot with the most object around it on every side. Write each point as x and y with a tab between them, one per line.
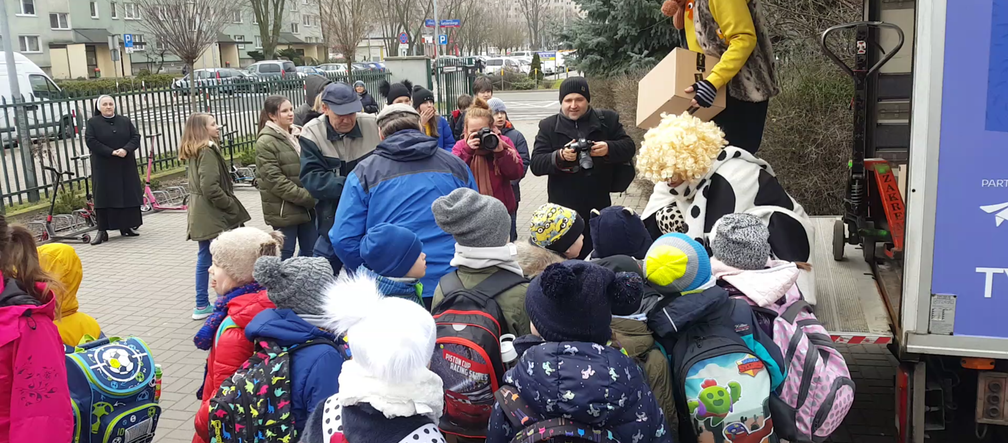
868	243
839	240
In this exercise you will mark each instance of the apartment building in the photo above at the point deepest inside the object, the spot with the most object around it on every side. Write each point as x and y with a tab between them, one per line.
70	38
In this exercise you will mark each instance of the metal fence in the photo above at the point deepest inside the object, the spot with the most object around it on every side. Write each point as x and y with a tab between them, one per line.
56	126
452	78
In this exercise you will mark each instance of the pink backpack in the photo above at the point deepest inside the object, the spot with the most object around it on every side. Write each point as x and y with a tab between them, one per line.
818	391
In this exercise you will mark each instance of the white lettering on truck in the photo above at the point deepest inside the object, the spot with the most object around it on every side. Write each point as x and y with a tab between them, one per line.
989	279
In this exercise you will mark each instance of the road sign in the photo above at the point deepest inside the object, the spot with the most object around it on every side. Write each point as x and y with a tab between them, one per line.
404	38
442	39
453	23
128	43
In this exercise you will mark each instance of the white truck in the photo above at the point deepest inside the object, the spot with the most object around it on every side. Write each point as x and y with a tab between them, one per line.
939	113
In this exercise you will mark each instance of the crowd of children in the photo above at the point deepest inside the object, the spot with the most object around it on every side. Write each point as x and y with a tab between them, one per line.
647	339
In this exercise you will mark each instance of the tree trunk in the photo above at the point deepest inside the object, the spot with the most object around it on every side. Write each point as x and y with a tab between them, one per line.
192	86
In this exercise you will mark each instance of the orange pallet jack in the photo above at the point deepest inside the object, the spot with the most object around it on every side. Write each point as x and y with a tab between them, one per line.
871	186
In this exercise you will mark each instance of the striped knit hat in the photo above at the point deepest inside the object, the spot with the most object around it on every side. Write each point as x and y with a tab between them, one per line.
678	262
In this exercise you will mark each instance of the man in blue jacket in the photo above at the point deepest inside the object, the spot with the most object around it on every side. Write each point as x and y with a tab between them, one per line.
397	185
331	146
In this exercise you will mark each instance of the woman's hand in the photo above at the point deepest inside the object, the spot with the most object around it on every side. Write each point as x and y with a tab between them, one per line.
473	141
119	152
426	115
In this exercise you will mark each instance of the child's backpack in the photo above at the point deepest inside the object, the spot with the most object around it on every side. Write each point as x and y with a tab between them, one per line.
722	389
467	355
819	391
254	405
114	391
530	427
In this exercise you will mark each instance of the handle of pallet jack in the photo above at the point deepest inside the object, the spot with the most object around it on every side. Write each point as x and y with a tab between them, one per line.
872	24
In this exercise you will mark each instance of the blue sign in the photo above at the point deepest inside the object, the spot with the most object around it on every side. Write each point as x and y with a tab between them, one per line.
454	23
970	257
127	40
404	38
442	39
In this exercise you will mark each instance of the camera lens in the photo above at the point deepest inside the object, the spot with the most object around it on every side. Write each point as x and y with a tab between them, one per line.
488	140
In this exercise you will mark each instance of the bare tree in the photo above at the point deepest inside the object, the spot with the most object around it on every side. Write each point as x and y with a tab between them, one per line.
269	15
534	12
187	28
348	22
387	23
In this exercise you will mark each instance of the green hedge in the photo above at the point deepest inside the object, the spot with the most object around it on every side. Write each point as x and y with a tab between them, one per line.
112	85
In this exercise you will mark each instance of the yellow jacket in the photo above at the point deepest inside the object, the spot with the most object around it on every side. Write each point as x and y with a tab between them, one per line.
736	29
62	262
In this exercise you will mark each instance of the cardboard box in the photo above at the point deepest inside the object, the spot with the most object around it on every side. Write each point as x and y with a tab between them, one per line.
661	90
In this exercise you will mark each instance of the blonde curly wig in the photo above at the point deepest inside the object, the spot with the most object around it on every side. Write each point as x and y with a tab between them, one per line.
681	147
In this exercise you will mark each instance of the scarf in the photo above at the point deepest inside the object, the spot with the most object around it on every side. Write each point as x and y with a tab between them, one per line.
480	166
423	394
408	288
292	135
205	336
504	257
677	10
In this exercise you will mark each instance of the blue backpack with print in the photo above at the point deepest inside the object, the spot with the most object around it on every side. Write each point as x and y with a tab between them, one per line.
114	390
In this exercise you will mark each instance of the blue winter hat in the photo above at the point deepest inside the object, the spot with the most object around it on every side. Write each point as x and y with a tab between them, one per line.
678	262
390	250
618	231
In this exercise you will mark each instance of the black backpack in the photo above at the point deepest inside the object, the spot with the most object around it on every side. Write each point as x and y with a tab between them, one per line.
467	355
254	404
530	427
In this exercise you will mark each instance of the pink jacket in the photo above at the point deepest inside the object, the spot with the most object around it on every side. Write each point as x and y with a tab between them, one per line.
34	397
505	166
764	286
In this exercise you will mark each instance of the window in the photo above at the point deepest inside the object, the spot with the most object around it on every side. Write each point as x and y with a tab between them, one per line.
293	6
255	21
294	28
269	67
29	43
131	11
138	42
94	9
258	42
42	87
159	45
59	20
240	38
27	7
237	17
114	14
306	20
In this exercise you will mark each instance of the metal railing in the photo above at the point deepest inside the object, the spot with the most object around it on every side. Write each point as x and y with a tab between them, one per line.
57	122
452	78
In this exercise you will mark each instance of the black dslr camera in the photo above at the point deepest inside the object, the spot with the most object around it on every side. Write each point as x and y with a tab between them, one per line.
488	140
583	149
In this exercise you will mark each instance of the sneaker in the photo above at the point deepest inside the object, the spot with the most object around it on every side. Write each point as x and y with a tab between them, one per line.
202	313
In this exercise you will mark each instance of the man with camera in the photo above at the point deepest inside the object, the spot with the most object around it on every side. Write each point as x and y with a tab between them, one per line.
585	153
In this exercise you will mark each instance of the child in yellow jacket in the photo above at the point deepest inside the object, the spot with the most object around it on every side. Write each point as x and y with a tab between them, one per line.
62	262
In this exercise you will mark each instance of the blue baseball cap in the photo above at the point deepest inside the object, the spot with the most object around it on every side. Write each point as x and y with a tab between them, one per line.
341	99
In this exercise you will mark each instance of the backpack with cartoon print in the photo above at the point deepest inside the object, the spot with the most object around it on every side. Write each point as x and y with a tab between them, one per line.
254	405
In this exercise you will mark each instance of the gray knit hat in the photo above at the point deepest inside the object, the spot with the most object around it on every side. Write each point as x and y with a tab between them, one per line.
742	241
475	220
298	283
497	105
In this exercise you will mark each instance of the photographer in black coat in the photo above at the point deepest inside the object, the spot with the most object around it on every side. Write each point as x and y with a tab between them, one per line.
555	154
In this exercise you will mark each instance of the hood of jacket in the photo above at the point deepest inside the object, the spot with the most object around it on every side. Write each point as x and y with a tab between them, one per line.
12	294
285	327
62	262
590	383
675	314
633	335
408	145
762	286
245	308
314	85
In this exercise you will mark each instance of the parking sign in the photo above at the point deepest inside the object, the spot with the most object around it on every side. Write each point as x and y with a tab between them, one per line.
128	43
442	39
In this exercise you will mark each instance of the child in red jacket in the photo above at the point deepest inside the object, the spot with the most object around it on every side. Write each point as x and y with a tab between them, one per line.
240	299
493	167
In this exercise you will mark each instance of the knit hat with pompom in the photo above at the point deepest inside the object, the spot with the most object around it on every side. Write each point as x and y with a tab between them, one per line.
298	283
575	301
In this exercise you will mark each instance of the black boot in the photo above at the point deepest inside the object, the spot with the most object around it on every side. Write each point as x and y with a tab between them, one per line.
100	237
129	233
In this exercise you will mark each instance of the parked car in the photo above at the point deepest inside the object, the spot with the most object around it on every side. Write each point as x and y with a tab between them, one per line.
497	64
273	69
522	55
227	80
333	68
360	67
48	116
304	71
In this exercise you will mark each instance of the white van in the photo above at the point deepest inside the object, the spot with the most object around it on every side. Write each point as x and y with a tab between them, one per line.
47	114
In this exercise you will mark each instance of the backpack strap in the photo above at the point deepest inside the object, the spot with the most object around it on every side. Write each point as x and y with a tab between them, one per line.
530	427
796	308
498	283
451	283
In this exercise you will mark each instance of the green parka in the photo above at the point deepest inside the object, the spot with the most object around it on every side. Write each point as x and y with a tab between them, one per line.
285	201
213	207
